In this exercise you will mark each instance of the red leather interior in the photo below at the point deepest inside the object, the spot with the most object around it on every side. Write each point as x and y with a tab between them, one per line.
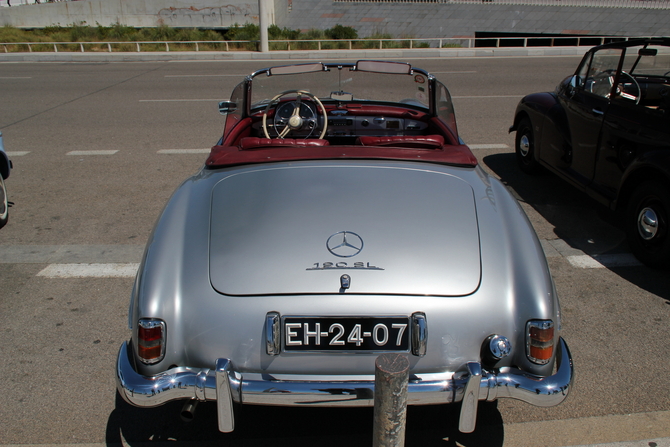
414	141
222	156
248	143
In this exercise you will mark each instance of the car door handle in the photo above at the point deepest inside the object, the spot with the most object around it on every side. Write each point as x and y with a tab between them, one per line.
597	112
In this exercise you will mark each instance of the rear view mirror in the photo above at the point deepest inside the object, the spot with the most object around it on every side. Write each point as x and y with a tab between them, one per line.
341	96
296	69
647	52
384	67
226	107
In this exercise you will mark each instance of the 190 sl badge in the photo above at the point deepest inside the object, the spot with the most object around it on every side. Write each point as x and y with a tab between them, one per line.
344	244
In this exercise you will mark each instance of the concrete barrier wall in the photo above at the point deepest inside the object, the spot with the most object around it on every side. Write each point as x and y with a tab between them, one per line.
396	19
136	13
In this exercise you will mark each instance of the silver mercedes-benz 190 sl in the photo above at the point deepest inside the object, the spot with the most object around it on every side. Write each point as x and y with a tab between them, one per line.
340	217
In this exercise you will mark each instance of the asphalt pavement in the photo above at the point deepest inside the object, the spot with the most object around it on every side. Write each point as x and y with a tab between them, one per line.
515	433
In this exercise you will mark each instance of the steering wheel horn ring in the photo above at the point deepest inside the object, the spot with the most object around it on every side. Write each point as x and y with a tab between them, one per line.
295	121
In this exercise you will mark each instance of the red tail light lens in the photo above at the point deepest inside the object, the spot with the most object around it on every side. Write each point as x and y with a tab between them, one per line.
150	340
540	341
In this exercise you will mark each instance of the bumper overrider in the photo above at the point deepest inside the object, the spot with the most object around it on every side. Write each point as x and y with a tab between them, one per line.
225	385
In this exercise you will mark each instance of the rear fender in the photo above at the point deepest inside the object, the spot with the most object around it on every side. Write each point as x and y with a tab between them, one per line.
535	106
5	165
651	166
550	123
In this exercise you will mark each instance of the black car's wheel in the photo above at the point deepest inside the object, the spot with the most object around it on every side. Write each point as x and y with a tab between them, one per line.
4	205
525	147
647	220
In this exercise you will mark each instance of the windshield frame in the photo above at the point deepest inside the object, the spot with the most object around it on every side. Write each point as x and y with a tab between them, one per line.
253	105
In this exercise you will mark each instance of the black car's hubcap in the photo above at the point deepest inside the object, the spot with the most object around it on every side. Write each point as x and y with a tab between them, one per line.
524	145
647	223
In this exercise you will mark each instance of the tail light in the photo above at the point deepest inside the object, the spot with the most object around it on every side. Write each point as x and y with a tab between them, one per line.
150	340
540	341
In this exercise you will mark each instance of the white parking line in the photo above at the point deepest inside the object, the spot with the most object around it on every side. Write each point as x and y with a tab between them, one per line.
212	76
184	151
180	100
90	270
104	152
603	261
207	150
122	261
453	72
487	97
488	146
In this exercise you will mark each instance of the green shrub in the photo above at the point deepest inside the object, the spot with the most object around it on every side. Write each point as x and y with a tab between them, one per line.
247	32
162	32
11	34
341	32
81	32
116	32
276	33
314	34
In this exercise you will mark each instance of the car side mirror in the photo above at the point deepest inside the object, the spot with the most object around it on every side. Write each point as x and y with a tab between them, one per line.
227	107
574	83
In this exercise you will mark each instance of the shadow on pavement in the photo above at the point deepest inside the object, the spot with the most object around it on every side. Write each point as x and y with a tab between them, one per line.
295	427
580	221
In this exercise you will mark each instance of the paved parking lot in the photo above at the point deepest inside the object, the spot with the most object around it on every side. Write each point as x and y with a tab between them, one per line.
99	147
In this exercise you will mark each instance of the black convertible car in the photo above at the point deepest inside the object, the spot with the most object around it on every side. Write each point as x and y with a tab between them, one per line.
606	130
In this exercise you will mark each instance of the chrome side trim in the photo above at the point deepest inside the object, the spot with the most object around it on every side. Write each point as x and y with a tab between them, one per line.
229	386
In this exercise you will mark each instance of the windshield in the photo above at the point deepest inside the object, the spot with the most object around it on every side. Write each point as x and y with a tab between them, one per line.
344	84
652	60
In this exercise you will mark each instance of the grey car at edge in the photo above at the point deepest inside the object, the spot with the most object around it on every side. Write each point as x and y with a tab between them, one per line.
5	169
340	217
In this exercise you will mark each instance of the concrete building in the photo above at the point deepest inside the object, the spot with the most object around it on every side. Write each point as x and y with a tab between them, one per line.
409	18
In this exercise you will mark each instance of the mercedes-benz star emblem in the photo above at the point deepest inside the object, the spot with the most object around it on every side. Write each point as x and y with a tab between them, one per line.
344	244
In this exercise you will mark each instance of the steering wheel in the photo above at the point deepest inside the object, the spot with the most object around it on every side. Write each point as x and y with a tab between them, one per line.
601	83
295	120
598	86
623	94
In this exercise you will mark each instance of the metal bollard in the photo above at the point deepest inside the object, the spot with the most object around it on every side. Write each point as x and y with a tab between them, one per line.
391	378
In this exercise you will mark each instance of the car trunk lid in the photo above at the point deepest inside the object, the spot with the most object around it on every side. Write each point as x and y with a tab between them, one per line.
299	229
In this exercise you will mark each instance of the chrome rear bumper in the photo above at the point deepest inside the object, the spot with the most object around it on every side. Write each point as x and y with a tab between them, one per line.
225	386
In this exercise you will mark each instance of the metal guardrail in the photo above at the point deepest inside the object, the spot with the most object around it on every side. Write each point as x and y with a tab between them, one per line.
297	45
639	4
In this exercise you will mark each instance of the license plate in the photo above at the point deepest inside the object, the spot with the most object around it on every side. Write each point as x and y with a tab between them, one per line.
346	334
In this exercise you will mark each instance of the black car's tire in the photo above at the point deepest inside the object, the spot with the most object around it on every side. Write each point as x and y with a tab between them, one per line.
525	147
647	219
4	204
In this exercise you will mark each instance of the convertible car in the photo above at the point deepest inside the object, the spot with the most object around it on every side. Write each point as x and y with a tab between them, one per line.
606	130
341	217
5	169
